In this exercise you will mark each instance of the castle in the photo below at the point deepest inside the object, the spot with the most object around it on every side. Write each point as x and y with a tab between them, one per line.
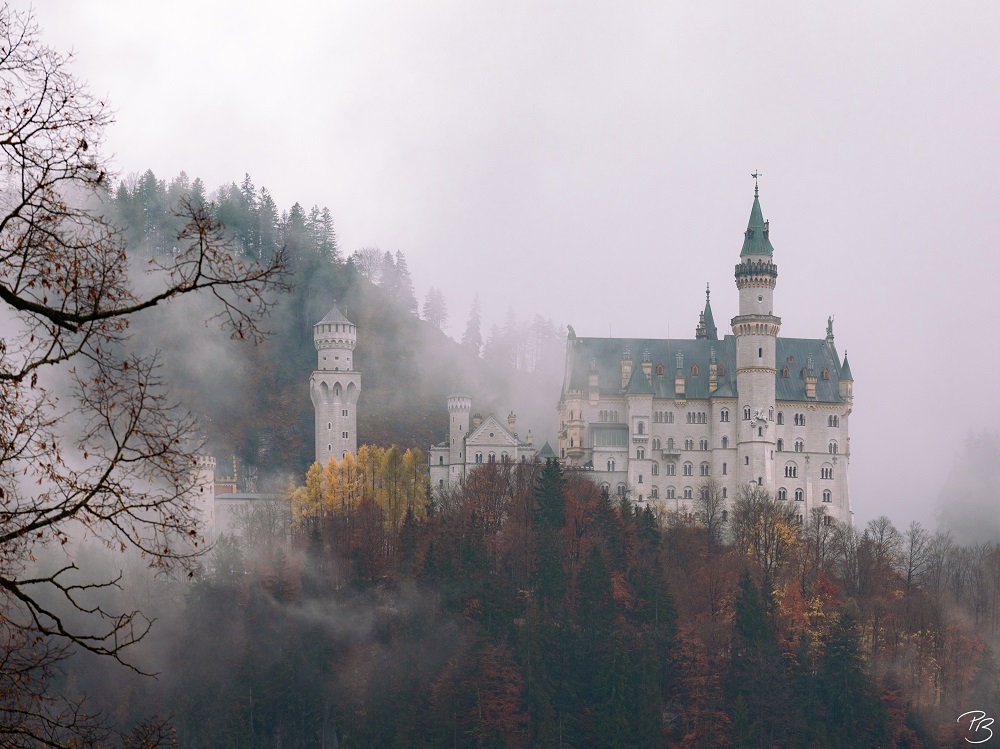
750	408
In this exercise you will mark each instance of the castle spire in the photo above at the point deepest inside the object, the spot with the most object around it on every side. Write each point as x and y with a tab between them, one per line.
711	332
756	239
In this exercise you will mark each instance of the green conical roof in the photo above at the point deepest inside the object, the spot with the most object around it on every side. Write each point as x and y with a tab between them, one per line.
639	383
756	241
845	371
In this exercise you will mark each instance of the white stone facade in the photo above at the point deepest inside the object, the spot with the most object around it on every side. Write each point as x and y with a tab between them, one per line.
750	407
473	441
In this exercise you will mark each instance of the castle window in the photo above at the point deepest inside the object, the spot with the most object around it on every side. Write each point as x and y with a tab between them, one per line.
690	418
784	372
724	415
656	443
441	460
781	445
688	469
441	483
329	425
640	454
760	431
725	469
798	495
670	444
688	492
611	466
344	435
746	413
670	417
832	447
800	446
479	457
344	412
671	469
329	448
694	370
760	353
655	469
671	492
770	413
833	421
641	429
504	457
704	469
654	493
689	444
826	374
622	490
721	370
659	369
827	495
827	520
703	444
640	478
782	494
781	417
336	389
725	442
746	460
492	458
791	471
826	472
725	513
605	488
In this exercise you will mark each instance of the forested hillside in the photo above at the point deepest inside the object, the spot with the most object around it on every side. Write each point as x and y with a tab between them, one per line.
530	610
253	399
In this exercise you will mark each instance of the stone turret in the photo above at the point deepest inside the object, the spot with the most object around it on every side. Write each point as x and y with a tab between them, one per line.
335	386
679	377
626	367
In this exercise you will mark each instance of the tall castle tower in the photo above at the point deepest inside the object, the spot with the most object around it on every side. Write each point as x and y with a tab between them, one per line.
334	387
756	330
459	414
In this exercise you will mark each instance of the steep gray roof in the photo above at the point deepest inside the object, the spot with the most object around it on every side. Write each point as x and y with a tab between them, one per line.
606	353
756	240
335	316
546	451
638	384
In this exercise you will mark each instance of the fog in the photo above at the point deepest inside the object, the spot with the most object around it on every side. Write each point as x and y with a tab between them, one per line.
591	164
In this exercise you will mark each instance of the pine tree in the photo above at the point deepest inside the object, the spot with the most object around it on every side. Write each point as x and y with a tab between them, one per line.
435	309
404	285
473	336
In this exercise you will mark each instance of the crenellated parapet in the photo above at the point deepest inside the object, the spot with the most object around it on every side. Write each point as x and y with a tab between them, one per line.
756	274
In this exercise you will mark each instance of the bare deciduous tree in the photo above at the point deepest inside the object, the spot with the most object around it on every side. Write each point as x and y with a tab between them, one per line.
89	440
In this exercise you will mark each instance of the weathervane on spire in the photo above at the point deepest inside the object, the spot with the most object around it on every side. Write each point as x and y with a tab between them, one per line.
708	293
755	175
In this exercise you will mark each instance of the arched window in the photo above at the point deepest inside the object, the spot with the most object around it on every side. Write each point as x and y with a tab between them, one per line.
826	374
746	460
722	370
782	494
689	444
746	413
690	418
791	471
724	415
492	458
479	457
640	478
770	413
725	469
659	369
832	447
704	469
605	487
784	372
671	469
688	469
611	465
640	454
656	443
826	472
441	460
336	389
694	370
703	444
798	495
654	493
688	492
725	513
622	490
670	417
800	446
655	469
671	493
641	428
725	442
670	444
504	457
781	417
781	445
827	495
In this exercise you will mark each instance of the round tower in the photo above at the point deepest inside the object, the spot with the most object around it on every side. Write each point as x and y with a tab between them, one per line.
203	495
756	329
335	386
459	413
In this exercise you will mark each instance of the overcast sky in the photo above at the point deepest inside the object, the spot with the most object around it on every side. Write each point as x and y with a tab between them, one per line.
591	161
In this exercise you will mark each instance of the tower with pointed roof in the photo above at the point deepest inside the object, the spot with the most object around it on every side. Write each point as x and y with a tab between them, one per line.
335	386
746	409
756	329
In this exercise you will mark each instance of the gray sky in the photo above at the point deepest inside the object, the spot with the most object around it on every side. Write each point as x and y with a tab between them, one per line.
590	161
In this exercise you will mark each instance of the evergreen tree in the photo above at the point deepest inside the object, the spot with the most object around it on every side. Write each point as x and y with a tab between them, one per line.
404	285
473	336
435	309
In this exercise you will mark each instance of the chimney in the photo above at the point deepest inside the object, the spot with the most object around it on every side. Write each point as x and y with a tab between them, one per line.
810	375
593	385
713	373
477	420
647	365
626	367
511	422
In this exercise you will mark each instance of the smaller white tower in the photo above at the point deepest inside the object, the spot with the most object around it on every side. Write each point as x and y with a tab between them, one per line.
204	495
335	386
459	412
